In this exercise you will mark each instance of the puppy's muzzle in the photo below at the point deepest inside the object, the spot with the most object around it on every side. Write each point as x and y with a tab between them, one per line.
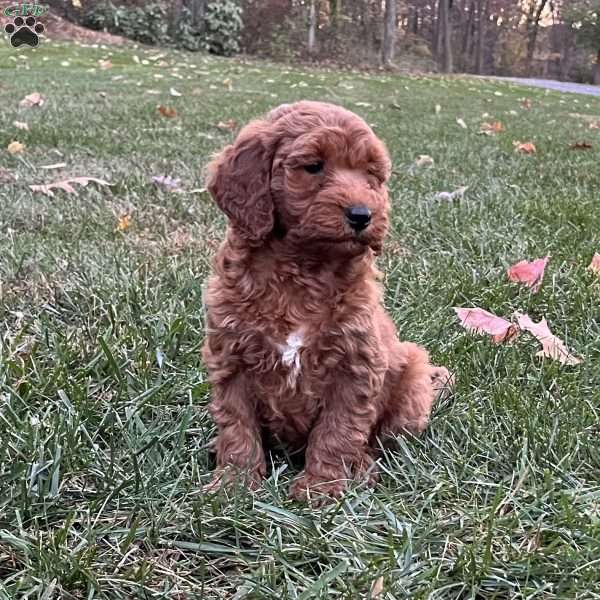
358	217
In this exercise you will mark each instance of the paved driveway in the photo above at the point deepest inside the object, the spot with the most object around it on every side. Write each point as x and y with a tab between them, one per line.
559	86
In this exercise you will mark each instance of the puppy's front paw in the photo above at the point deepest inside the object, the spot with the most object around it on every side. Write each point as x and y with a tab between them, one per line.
312	489
443	382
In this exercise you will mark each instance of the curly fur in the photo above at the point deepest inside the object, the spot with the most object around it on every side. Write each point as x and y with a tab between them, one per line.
298	343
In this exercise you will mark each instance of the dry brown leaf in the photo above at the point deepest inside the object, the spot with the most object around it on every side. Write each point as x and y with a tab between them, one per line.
377	587
595	125
552	346
478	320
525	147
529	273
21	125
105	64
167	111
526	104
581	146
65	185
229	124
228	84
15	148
35	99
491	128
124	223
594	266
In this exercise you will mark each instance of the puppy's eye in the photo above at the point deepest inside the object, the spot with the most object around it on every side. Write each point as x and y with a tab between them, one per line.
315	167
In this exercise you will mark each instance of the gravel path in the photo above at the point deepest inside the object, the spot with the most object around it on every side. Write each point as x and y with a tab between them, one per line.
559	86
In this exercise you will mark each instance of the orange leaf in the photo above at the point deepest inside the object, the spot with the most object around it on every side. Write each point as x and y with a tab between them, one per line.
478	320
529	273
594	266
525	147
552	346
167	111
491	128
65	185
124	223
15	148
581	146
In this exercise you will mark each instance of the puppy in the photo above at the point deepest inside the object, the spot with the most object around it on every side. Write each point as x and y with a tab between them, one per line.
298	343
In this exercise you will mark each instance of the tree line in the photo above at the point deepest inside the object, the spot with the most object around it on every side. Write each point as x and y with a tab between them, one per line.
553	38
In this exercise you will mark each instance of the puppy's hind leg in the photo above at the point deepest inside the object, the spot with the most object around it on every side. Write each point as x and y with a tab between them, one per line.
414	386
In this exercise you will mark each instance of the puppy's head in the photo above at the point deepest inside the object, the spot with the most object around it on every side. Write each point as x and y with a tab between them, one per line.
311	174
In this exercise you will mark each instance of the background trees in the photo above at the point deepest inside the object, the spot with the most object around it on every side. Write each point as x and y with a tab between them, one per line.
553	38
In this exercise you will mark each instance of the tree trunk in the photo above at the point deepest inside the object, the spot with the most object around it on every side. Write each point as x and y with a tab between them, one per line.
389	32
484	6
312	26
467	36
596	70
533	25
446	35
198	11
437	31
174	18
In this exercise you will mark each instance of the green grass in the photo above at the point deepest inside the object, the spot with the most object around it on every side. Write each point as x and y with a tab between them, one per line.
104	433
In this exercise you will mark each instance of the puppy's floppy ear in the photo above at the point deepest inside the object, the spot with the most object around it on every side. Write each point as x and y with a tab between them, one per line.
239	181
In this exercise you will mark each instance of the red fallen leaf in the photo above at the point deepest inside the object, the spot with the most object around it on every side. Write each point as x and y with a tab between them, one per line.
581	146
525	147
594	266
491	128
529	273
167	111
478	320
552	346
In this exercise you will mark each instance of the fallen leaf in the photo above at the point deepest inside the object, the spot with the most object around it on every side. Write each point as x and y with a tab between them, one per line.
529	273
581	146
124	223
491	128
424	160
175	93
229	124
167	181
552	346
525	147
21	125
65	185
35	99
15	148
526	104
228	84
167	111
462	123
377	587
105	64
478	320
594	266
449	196
595	125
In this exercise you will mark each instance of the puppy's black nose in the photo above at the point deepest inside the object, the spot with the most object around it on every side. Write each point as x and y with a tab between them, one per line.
358	217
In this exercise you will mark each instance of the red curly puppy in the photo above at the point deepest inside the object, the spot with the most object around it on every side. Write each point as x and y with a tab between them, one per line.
298	343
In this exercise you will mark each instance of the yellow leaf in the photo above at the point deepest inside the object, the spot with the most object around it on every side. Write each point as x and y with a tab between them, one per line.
15	147
124	223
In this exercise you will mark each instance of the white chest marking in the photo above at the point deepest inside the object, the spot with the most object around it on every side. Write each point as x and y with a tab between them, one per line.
290	353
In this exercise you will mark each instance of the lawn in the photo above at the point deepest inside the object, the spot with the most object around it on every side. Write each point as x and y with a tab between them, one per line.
104	432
